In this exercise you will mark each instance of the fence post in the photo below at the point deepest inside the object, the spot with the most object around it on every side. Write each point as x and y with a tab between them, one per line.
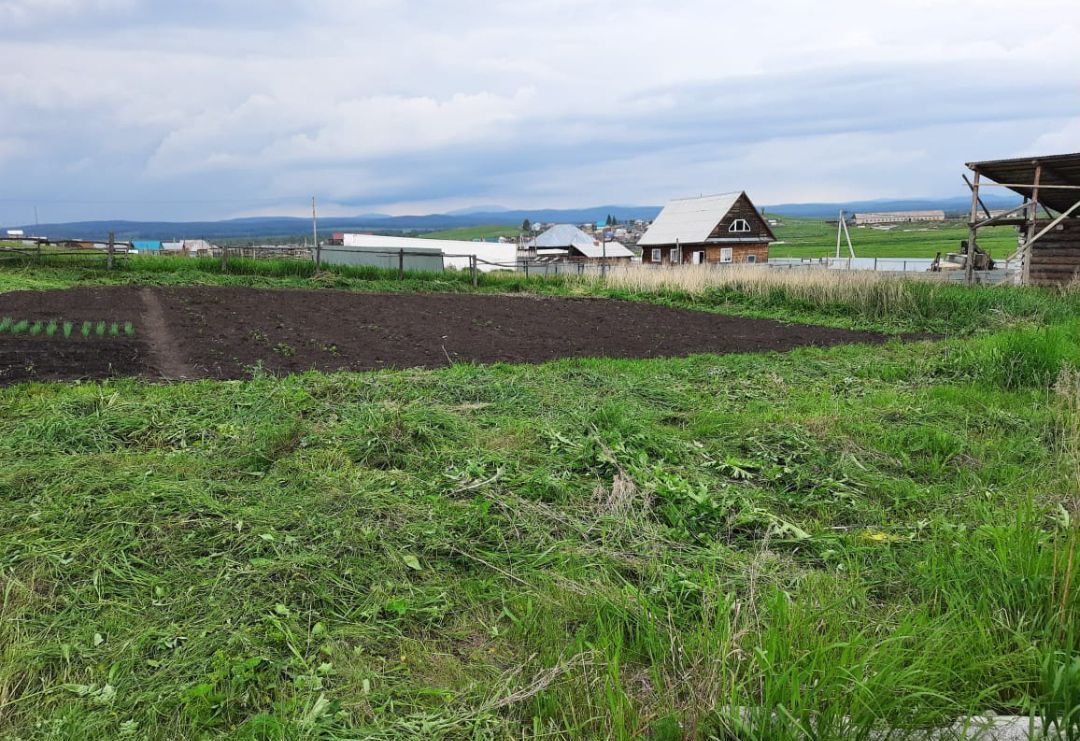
401	264
526	268
473	268
224	259
905	267
875	264
112	249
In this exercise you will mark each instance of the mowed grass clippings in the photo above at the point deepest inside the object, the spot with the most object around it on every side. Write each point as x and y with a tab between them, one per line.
826	543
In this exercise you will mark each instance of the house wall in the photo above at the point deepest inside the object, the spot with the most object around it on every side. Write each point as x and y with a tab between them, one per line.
1055	258
740	253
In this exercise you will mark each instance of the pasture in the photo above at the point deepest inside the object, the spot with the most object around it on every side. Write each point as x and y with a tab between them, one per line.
817	238
837	542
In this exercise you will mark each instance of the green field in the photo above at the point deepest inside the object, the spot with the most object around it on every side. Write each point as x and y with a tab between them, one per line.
817	238
824	543
472	233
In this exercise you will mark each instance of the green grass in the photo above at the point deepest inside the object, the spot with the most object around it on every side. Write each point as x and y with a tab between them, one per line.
843	540
817	238
471	233
826	542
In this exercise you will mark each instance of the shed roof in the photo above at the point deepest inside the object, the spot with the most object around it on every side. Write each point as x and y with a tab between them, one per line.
612	249
1057	169
689	220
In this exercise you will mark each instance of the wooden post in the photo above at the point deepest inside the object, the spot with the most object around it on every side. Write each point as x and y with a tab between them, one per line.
526	268
224	259
473	267
973	231
112	249
401	264
1029	243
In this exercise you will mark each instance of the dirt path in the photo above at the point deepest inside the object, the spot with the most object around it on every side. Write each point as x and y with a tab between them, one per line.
161	344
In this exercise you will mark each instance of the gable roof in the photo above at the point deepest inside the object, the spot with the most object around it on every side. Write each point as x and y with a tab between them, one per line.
689	220
563	235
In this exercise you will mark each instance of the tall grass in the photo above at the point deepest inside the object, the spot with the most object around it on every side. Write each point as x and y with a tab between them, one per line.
859	297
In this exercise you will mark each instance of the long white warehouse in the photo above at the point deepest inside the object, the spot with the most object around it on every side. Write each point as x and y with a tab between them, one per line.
490	255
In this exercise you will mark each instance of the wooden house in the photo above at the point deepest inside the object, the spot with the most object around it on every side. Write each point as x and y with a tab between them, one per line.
717	229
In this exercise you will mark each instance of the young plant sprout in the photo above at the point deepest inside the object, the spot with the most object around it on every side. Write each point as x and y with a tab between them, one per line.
86	326
99	330
68	326
35	330
20	326
114	330
129	329
50	328
5	324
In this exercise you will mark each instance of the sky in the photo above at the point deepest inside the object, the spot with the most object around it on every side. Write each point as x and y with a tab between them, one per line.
170	110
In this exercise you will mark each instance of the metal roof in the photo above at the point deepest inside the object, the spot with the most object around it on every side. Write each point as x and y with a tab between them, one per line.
689	220
613	249
562	235
1057	169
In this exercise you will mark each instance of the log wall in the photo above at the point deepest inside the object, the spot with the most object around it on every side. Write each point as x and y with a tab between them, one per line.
1055	258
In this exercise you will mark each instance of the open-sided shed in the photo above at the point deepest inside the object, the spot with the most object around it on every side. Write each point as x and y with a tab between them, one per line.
1049	244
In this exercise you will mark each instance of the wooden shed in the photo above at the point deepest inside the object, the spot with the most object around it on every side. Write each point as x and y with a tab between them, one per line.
719	229
1049	243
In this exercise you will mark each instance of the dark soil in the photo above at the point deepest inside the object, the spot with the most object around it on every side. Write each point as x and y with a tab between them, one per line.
210	332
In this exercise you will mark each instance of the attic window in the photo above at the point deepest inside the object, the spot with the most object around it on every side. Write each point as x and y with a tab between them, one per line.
739	225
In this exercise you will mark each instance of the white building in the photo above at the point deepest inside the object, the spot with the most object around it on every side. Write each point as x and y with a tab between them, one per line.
898	217
490	256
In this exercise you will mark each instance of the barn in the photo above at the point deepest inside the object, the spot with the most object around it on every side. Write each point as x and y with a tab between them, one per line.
718	229
1048	220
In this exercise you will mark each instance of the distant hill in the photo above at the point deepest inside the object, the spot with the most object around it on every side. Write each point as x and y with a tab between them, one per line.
267	227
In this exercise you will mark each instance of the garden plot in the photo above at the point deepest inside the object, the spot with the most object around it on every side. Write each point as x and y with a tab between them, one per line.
230	332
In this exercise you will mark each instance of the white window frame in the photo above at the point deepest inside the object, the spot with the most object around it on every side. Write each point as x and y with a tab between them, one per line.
697	257
726	254
740	226
675	256
657	255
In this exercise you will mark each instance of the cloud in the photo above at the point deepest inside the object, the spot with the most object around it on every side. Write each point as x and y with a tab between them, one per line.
207	108
18	14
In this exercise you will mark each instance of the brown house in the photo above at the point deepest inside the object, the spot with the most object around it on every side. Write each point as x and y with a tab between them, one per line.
714	229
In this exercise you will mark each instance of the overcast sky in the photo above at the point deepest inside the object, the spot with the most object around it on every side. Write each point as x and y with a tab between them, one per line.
202	109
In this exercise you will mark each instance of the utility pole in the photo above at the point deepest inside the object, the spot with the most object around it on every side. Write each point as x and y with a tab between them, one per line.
315	236
842	231
603	260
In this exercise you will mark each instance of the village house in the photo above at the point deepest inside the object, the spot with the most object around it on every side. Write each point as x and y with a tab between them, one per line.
724	228
567	242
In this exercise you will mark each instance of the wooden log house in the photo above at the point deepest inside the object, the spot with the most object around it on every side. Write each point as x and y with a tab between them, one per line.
718	229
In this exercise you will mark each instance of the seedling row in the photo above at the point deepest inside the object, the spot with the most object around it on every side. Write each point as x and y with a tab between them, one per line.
65	329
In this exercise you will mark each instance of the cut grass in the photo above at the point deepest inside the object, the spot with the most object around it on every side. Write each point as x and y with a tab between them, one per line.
827	542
